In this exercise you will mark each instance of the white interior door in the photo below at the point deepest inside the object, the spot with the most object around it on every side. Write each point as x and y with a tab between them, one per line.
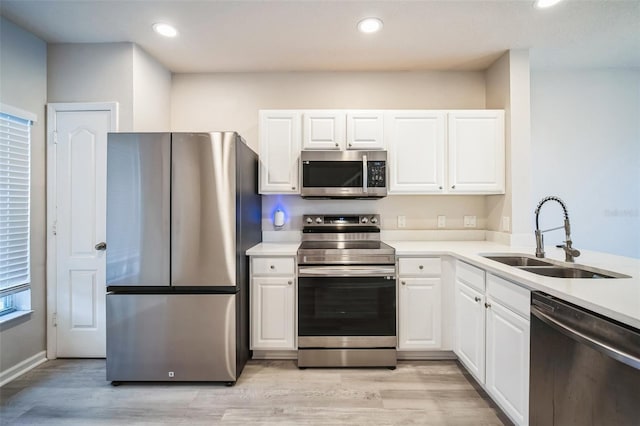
80	224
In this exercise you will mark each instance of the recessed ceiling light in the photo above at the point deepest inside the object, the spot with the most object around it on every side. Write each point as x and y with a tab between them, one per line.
370	25
543	4
165	29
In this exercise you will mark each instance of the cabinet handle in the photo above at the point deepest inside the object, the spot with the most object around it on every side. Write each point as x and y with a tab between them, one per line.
420	267
440	187
350	144
293	187
337	144
403	282
477	299
289	282
453	187
272	267
487	305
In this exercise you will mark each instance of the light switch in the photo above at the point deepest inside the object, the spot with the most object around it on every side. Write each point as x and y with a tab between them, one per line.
469	221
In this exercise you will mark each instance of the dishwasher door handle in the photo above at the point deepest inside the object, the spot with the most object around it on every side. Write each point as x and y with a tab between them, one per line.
591	341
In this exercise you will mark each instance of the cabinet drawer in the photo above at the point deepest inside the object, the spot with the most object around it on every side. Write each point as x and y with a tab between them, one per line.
470	275
419	266
514	297
272	266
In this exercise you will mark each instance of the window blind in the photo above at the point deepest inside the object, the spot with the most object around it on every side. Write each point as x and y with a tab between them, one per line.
15	166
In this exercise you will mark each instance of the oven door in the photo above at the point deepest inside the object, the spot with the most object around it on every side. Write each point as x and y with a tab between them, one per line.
343	306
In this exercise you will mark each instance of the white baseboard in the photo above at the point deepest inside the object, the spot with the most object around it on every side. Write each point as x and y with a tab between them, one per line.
402	355
425	355
23	367
274	354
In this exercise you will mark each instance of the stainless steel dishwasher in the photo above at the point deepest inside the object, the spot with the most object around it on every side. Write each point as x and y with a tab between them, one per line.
585	369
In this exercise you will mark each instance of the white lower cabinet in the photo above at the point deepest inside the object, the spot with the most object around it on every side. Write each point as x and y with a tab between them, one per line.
507	379
492	337
420	314
273	304
420	304
470	327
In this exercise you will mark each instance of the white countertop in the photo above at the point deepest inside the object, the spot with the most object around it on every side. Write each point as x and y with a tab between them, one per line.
274	249
618	299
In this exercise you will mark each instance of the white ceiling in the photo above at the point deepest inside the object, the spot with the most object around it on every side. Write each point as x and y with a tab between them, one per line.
275	35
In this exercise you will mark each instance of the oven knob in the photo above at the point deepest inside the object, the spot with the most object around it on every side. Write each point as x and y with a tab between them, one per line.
374	220
318	220
309	220
365	220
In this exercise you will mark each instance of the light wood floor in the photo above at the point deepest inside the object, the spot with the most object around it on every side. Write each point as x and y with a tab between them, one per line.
75	392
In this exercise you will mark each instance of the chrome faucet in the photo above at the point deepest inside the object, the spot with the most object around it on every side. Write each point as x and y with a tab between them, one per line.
569	251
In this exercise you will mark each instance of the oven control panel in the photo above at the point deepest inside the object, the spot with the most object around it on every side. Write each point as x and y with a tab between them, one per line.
341	220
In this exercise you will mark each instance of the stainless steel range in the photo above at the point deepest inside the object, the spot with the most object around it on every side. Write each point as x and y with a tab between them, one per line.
346	293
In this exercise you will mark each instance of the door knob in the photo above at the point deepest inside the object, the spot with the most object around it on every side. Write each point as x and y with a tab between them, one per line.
101	246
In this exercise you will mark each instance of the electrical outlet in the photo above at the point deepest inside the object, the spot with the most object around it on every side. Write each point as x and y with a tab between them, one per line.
402	221
442	221
469	221
506	223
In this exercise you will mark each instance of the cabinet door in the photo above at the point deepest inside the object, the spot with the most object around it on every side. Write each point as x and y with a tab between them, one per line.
273	313
365	130
420	322
279	152
323	130
508	361
476	152
470	323
416	151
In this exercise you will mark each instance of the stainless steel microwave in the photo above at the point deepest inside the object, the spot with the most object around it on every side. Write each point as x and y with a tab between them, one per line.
344	174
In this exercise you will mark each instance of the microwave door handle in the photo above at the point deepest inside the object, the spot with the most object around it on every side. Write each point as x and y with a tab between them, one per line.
365	178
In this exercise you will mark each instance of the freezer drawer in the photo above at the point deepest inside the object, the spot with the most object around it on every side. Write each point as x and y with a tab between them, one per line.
171	337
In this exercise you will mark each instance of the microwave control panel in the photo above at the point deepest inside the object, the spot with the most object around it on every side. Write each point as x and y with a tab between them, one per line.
376	173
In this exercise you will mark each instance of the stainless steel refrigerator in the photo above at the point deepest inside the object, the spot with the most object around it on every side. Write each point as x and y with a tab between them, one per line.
182	209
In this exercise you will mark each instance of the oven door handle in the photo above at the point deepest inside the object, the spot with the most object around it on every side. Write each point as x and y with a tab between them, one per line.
347	271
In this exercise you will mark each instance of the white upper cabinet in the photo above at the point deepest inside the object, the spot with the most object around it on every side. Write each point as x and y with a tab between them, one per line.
365	129
430	151
324	129
279	151
476	152
416	144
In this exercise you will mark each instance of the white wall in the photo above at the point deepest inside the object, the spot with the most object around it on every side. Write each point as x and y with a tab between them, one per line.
93	72
121	72
225	101
508	88
23	84
151	93
586	150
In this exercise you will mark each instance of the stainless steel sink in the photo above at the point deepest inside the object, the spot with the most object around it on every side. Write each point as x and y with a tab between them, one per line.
572	272
520	260
551	268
